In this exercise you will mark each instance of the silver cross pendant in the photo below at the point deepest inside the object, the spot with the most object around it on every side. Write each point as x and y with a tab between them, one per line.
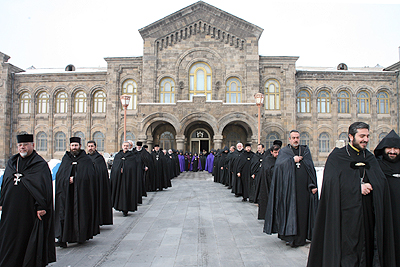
17	178
298	165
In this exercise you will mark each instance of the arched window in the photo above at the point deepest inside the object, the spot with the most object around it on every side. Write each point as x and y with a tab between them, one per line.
129	136
271	137
41	141
60	142
382	135
167	91
304	139
129	87
43	103
98	137
383	102
232	139
303	102
61	102
324	142
233	90
99	102
80	102
272	99
363	102
323	102
345	137
200	80
82	137
343	102
25	103
167	140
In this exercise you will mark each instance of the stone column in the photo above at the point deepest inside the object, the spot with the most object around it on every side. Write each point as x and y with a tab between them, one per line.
217	141
180	142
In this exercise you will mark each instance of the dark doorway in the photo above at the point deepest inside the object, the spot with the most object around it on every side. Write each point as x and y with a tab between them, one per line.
204	145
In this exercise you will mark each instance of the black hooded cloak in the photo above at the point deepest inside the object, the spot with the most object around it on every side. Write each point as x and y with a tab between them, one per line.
391	169
339	232
291	205
24	239
74	211
105	213
263	184
124	174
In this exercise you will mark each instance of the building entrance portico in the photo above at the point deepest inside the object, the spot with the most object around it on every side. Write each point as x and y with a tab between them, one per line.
199	141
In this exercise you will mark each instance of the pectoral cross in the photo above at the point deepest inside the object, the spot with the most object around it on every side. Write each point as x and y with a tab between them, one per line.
17	178
298	165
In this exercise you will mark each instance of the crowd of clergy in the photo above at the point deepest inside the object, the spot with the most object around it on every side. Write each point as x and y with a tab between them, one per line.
354	222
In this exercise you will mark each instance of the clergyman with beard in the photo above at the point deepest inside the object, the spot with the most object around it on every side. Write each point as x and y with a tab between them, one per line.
102	185
354	220
293	199
26	225
388	155
74	209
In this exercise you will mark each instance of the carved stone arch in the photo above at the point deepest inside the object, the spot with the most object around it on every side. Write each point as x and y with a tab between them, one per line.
80	88
343	87
128	77
198	116
191	62
244	118
385	89
273	127
323	88
233	75
146	123
167	75
24	89
41	89
269	77
325	127
96	88
59	89
304	87
366	88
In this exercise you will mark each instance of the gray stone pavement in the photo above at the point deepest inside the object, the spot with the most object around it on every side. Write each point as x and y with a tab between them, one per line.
195	223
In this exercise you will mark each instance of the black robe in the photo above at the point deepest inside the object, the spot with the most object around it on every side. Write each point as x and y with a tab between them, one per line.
74	210
24	239
339	232
235	179
149	175
223	169
244	168
263	185
203	158
160	170
105	213
256	163
291	205
125	172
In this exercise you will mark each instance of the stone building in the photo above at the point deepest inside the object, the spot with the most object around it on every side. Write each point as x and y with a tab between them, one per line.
193	89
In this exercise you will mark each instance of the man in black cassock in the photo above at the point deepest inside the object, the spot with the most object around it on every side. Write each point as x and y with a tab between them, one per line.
263	180
243	172
256	163
223	166
74	210
26	202
141	187
149	177
293	199
160	168
388	155
125	171
230	158
234	164
354	223
103	198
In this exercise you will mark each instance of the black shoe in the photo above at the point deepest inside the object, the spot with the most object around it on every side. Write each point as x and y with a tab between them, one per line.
244	199
125	213
61	244
237	195
229	187
251	201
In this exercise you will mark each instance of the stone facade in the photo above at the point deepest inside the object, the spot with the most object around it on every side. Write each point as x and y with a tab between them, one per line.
228	47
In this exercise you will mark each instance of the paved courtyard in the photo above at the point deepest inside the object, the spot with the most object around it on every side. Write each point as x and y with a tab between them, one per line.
195	223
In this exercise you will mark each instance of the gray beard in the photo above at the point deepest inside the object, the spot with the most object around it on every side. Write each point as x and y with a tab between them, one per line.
23	154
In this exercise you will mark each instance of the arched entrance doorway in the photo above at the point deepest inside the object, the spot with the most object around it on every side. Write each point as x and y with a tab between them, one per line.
199	140
234	133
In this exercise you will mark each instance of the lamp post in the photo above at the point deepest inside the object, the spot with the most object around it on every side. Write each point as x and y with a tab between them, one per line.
259	101
125	103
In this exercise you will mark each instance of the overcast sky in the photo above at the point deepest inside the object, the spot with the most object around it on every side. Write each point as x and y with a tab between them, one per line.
55	33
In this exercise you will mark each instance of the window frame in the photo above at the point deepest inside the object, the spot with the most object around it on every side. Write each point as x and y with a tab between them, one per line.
272	95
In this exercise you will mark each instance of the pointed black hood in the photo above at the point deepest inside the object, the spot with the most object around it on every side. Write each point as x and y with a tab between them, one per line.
390	140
